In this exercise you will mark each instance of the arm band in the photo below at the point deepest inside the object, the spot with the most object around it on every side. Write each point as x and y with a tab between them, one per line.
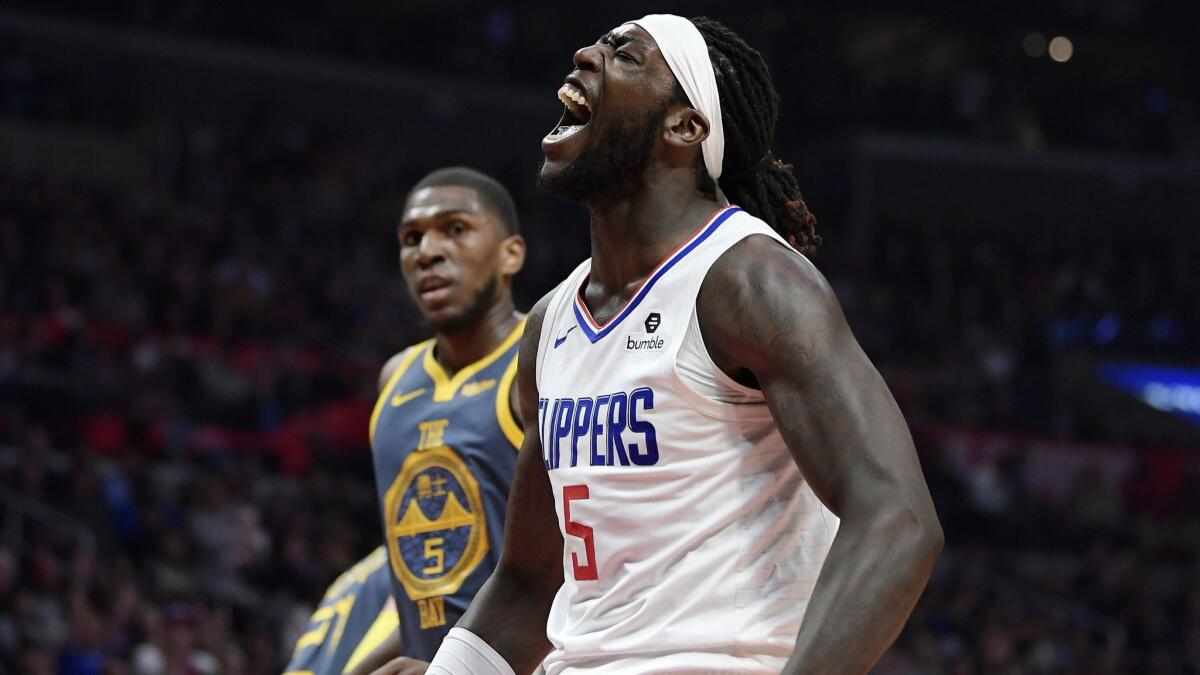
464	653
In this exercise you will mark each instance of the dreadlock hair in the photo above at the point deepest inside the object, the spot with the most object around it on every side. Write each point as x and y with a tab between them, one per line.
752	178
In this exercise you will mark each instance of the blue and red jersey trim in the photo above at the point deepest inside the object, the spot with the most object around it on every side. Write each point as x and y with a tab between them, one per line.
594	331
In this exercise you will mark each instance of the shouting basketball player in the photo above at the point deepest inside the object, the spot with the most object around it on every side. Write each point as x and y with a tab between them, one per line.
714	478
443	433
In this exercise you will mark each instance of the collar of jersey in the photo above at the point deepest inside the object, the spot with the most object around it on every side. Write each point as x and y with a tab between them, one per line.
594	330
444	386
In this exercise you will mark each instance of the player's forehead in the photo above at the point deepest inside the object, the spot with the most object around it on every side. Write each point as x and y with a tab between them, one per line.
631	34
431	202
633	38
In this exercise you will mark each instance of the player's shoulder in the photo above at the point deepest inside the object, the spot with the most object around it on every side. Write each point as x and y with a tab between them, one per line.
373	569
400	358
373	564
374	560
761	264
527	359
537	315
776	291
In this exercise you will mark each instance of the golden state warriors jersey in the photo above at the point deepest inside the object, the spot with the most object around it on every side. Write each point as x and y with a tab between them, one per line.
445	449
352	620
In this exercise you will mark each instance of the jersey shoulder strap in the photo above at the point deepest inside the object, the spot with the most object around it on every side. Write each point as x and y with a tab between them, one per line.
408	356
684	287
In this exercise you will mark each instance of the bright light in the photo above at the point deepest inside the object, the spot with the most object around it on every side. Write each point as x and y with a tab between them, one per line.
1171	389
1173	397
1061	49
1035	45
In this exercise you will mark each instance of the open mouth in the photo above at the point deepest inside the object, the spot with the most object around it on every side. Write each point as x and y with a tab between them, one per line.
577	112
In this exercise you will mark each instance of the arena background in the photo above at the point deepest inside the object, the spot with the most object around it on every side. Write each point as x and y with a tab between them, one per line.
198	286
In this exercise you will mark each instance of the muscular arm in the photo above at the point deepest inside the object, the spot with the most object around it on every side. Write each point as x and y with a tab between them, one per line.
510	611
768	316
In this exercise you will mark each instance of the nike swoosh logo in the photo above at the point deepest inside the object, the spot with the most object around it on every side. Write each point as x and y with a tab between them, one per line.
560	340
400	399
477	388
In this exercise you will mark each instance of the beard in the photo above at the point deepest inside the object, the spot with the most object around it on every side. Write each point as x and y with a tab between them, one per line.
479	306
611	164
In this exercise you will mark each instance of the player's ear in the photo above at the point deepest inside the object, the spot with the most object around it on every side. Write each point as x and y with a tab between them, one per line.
512	255
685	126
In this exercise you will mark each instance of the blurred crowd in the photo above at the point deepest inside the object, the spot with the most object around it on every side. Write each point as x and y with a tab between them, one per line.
207	564
247	293
188	362
166	566
975	327
245	296
238	293
985	74
187	372
1105	579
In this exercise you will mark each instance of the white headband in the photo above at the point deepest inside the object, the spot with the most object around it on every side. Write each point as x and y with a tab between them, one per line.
686	53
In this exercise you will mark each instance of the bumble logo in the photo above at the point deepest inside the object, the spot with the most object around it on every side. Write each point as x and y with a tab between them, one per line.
648	341
436	527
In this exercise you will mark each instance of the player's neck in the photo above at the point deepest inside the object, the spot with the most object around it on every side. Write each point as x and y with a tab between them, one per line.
461	347
632	234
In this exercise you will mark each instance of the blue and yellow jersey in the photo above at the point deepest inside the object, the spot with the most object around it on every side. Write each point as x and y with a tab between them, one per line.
445	452
352	620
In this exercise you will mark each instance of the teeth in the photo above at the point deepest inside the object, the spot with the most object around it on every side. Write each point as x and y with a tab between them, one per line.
570	93
575	101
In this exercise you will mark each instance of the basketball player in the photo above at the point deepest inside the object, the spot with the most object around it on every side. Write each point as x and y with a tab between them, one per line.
714	478
443	432
354	618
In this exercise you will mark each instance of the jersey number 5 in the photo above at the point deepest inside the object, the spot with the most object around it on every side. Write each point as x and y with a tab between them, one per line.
587	571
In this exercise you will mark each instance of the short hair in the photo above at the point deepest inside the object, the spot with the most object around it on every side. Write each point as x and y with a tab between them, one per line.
493	194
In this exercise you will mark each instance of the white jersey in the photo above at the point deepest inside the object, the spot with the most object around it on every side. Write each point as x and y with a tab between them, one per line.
691	540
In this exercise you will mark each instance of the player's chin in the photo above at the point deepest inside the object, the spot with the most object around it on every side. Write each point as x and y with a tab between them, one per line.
548	171
435	309
446	317
440	315
554	176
